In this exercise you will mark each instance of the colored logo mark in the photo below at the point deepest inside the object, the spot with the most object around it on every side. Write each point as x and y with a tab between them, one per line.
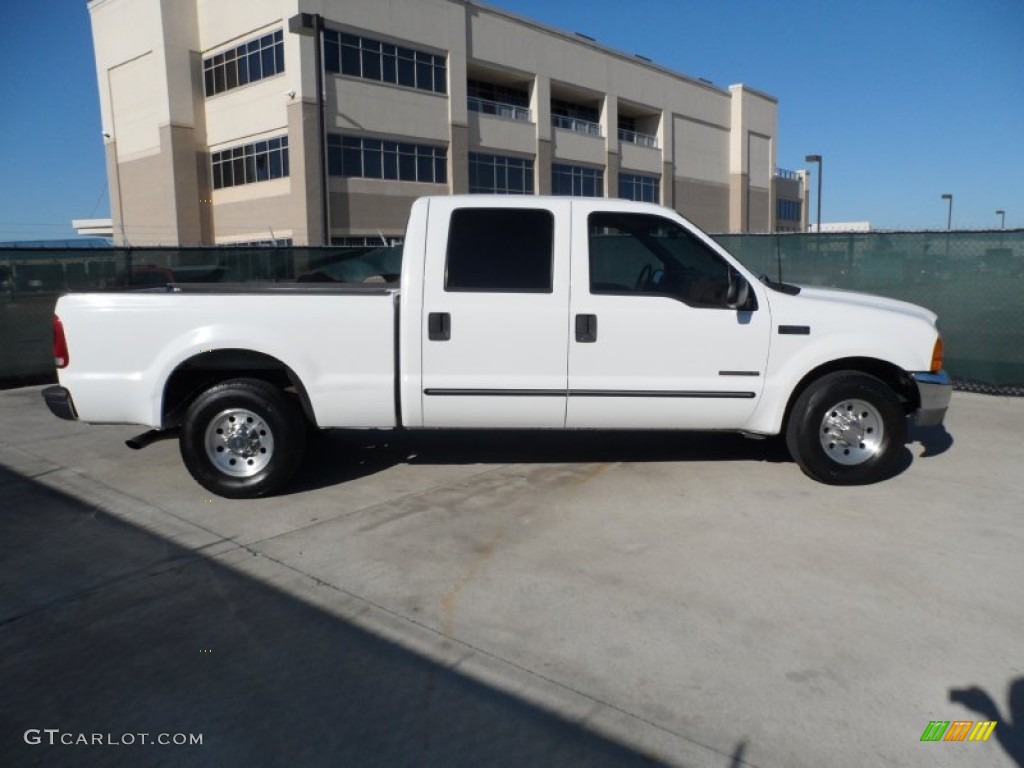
958	730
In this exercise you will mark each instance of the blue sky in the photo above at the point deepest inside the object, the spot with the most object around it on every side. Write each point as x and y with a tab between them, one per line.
904	99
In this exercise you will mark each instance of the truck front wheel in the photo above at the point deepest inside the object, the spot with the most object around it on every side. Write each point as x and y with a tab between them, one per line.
847	428
242	438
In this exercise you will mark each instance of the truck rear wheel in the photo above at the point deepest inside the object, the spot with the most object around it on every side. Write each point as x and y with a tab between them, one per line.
847	428
242	438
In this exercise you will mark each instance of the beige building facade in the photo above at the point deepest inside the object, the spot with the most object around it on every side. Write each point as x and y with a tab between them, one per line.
212	132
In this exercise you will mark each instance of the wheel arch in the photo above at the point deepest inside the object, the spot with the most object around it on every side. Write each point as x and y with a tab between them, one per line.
890	374
200	372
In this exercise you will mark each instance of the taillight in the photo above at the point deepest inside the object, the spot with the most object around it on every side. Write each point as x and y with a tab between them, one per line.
937	356
60	344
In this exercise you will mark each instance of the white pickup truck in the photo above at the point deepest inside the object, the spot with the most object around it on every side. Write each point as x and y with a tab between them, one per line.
511	312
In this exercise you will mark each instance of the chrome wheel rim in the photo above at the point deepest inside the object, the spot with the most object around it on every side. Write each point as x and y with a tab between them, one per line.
851	432
239	442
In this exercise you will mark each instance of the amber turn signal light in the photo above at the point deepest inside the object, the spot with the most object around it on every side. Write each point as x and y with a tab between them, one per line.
937	356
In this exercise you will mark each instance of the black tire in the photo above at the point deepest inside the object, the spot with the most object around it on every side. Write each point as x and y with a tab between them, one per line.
243	438
847	428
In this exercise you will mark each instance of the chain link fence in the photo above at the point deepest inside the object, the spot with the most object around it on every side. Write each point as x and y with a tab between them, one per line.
973	280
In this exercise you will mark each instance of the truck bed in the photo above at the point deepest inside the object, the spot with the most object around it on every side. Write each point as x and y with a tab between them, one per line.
338	339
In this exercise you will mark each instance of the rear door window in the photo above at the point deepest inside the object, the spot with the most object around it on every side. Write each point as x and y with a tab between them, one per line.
500	250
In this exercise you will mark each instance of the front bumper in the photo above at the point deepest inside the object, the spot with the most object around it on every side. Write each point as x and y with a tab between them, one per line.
59	401
935	390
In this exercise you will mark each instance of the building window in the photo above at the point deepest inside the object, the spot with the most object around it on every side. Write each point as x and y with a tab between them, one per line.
633	186
365	158
251	61
278	242
577	180
368	241
500	250
578	111
502	94
787	210
500	175
247	164
384	62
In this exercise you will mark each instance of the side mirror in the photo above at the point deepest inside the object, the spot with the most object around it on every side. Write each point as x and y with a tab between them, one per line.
738	295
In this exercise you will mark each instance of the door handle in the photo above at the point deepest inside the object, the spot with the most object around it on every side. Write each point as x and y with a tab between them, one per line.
439	326
586	329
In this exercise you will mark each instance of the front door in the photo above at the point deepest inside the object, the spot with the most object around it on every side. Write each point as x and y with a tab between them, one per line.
495	316
656	345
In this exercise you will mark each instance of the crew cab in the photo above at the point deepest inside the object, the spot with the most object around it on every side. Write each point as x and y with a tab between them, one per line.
510	312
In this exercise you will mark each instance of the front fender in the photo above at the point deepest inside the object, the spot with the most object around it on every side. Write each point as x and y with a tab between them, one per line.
793	360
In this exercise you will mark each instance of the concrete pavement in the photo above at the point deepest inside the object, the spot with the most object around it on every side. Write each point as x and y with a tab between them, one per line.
502	598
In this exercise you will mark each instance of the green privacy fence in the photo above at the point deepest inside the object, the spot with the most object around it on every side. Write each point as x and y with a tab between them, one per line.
973	280
31	279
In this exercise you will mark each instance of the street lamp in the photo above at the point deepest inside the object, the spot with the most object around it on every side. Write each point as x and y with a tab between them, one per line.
312	25
1002	221
949	215
817	159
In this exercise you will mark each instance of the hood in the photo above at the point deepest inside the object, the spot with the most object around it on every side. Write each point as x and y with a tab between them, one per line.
854	299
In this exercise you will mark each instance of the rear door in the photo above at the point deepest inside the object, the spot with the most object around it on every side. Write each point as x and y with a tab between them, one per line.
496	314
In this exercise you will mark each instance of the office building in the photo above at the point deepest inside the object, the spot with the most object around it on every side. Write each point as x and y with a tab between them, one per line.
213	132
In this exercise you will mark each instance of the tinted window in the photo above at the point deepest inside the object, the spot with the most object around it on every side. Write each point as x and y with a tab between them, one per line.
636	187
375	159
640	253
500	250
383	62
244	64
576	180
500	174
259	161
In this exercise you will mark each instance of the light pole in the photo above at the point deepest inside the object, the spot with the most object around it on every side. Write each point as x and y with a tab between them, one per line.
312	24
949	215
1002	220
817	159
